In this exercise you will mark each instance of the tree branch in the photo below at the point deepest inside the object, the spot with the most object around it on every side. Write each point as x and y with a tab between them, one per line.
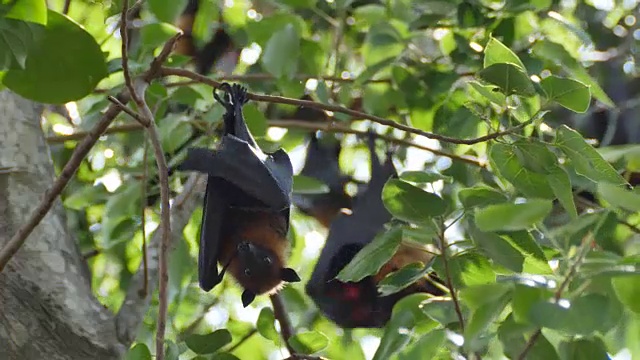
280	313
146	118
263	77
452	290
299	124
341	109
584	249
132	311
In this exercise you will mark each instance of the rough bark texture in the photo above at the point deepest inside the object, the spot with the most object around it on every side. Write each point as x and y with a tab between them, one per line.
47	308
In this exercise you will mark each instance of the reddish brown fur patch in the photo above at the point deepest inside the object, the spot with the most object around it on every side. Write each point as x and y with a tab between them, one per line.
405	256
262	229
185	45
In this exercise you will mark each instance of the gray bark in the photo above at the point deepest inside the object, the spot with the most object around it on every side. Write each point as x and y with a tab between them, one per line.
47	307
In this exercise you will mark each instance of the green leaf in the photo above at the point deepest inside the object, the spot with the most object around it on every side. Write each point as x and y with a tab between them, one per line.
592	349
478	295
586	160
167	10
426	347
372	70
480	196
139	351
441	311
307	185
266	324
86	196
496	52
173	351
299	4
587	314
535	156
504	159
620	197
308	342
480	320
372	256
210	343
512	217
393	338
17	38
627	289
524	297
33	11
224	356
155	35
410	203
424	177
509	78
50	74
569	93
557	54
398	280
256	121
512	337
491	92
561	185
280	56
498	249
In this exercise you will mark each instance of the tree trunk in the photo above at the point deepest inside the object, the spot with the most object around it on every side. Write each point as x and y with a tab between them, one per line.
47	308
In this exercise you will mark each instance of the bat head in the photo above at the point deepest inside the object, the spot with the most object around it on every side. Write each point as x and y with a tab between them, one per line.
259	270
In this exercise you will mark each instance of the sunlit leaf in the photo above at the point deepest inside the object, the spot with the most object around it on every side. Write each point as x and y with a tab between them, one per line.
209	343
372	256
308	342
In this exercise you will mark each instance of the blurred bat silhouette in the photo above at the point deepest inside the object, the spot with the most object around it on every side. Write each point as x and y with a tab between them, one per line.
352	305
321	163
246	206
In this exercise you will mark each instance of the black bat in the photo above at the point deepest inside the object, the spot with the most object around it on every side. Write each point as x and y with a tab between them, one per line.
321	163
213	51
246	206
352	305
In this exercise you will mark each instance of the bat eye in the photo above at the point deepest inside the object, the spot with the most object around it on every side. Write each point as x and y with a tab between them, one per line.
267	260
247	272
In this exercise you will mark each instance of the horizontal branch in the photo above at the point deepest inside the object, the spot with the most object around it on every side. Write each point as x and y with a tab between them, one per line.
343	110
297	124
263	77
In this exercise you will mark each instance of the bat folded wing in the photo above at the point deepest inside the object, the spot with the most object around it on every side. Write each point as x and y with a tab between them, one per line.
212	218
265	177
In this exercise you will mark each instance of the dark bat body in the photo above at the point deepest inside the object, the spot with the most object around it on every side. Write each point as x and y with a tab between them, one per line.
246	207
213	52
352	305
322	163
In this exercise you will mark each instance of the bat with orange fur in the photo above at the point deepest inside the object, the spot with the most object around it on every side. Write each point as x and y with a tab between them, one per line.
358	304
246	206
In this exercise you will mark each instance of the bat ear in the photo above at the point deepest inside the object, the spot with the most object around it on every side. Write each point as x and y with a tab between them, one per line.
247	297
289	275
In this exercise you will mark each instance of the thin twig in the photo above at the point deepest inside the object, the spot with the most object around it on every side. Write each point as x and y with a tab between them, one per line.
584	249
89	254
65	8
79	135
264	77
143	203
194	325
590	203
336	128
125	60
280	313
146	118
298	124
452	291
127	110
70	168
354	113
